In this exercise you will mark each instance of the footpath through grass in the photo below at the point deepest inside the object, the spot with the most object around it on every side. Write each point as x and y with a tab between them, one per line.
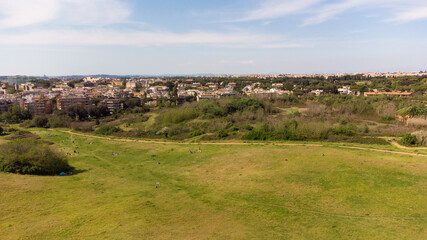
222	192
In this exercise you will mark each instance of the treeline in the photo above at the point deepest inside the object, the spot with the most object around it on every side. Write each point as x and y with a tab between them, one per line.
331	84
324	118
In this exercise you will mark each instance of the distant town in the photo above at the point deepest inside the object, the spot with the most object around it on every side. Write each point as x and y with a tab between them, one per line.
43	95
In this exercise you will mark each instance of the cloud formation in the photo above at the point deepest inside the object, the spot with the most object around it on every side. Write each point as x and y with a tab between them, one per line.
277	8
142	38
88	22
23	13
319	11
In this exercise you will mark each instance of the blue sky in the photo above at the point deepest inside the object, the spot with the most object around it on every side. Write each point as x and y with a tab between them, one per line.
64	37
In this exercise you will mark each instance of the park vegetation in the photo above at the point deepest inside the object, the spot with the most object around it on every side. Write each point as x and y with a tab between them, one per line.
30	156
300	116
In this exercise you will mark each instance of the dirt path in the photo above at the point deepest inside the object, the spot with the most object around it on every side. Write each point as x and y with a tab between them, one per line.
396	144
263	144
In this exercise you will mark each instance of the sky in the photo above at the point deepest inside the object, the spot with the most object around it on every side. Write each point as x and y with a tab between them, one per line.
158	37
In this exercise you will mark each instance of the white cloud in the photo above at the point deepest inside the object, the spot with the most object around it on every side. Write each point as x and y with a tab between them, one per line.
411	14
94	12
277	8
21	13
403	10
319	11
89	37
330	11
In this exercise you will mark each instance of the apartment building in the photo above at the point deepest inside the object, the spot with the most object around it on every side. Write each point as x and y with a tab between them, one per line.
112	104
63	102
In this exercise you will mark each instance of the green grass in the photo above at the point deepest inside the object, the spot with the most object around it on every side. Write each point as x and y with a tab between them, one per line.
224	192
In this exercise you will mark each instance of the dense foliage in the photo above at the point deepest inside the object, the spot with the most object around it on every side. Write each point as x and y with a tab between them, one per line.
15	115
409	140
29	156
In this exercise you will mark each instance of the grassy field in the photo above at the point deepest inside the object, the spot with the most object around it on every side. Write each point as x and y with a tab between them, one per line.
222	192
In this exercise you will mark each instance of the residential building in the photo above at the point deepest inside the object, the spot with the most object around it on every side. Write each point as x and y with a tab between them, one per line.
205	96
112	104
39	106
63	102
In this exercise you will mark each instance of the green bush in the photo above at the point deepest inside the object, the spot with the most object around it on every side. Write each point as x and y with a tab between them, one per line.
387	118
413	111
343	130
244	104
29	156
248	127
409	140
40	121
234	129
210	109
59	121
257	134
108	130
197	133
175	116
222	134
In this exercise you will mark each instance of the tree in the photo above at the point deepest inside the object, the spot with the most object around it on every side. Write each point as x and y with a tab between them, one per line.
40	121
11	91
77	112
15	115
98	111
131	103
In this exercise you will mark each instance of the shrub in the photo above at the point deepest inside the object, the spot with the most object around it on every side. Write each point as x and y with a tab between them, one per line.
260	133
178	115
244	104
108	130
59	121
29	156
197	133
234	129
222	134
387	118
343	130
257	134
40	121
365	128
409	140
1	130
83	126
248	127
210	109
413	111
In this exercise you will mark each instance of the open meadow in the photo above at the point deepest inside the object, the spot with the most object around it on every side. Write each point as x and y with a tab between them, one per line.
217	192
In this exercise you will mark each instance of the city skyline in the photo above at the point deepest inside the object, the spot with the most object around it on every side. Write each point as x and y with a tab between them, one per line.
64	37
